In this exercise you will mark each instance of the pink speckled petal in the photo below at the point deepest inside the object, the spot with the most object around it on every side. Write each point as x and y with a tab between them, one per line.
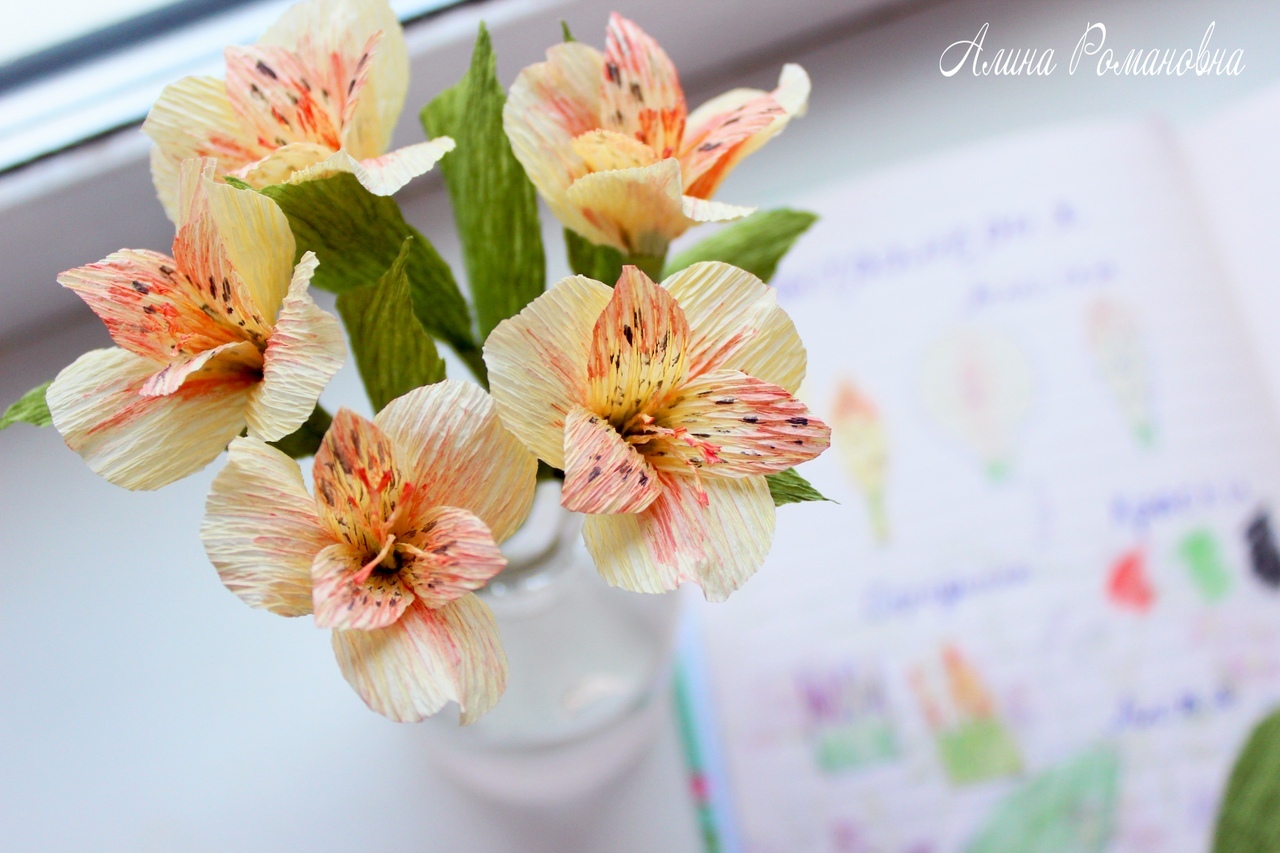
261	530
537	363
410	669
677	539
603	473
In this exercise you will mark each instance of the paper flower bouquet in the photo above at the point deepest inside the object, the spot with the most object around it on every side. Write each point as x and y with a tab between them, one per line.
660	390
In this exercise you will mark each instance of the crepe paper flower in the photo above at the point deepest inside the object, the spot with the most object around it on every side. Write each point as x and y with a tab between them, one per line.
220	337
665	406
610	145
403	527
320	93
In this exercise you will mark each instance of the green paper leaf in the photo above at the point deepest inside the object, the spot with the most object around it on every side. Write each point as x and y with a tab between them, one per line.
494	203
788	487
358	236
393	352
305	440
603	263
30	408
1248	819
756	244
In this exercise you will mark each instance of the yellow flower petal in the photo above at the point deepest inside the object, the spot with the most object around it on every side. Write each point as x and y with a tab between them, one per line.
602	150
261	530
677	539
603	473
709	151
550	104
360	484
193	118
638	350
410	669
751	427
258	242
453	554
318	29
281	98
698	210
227	360
203	252
537	363
641	96
305	350
343	599
149	306
457	453
735	324
379	175
283	163
765	113
142	442
636	211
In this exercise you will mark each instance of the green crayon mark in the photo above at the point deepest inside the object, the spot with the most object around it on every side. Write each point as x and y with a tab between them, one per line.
978	750
1070	808
1200	551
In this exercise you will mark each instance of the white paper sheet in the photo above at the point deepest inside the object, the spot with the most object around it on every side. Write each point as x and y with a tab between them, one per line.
1033	620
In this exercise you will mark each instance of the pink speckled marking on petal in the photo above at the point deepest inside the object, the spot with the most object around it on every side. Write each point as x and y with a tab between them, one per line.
603	473
754	427
637	349
641	94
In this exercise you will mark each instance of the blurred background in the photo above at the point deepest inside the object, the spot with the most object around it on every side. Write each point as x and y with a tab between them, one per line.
145	708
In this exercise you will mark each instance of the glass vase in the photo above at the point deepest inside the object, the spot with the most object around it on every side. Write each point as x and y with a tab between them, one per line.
589	671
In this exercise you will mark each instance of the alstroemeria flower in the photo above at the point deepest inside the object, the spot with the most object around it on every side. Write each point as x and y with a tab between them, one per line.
609	143
665	406
403	527
220	337
320	93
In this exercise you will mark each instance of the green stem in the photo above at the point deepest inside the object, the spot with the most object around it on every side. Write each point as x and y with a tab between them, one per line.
650	265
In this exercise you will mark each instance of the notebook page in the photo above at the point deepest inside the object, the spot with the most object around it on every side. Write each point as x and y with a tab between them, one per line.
1043	613
1233	160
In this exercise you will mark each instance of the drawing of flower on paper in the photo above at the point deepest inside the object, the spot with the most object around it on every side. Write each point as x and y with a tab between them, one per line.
1116	343
860	439
978	385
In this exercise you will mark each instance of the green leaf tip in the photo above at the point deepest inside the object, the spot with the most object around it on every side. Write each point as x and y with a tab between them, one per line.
305	440
393	352
232	180
30	408
564	30
495	206
1247	817
788	487
756	244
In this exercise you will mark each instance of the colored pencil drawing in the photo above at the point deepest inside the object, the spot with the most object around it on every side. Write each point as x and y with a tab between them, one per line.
1263	556
1116	343
973	743
847	718
1070	808
1202	554
860	439
1128	585
978	387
